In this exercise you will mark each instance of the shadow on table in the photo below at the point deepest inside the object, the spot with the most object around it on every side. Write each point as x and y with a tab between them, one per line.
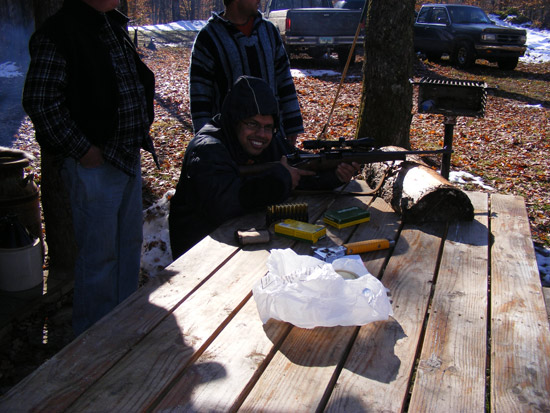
372	348
472	233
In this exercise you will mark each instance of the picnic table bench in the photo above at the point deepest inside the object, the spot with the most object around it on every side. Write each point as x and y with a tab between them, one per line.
469	332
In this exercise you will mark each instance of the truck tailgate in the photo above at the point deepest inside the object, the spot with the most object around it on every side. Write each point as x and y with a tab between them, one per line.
322	22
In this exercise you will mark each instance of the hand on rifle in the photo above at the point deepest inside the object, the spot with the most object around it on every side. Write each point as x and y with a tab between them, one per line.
345	171
295	173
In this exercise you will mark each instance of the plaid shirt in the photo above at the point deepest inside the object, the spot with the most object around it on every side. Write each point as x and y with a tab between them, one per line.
44	99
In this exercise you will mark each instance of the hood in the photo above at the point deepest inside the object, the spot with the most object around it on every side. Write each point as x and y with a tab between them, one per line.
248	97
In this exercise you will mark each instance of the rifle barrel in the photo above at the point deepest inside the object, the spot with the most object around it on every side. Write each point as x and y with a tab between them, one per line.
331	159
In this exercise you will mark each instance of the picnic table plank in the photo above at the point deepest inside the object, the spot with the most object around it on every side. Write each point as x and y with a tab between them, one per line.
315	353
54	385
163	354
227	346
377	372
191	339
520	342
227	366
384	223
452	368
164	349
296	378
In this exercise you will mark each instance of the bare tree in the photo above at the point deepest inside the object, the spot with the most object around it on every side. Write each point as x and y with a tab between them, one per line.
176	14
386	98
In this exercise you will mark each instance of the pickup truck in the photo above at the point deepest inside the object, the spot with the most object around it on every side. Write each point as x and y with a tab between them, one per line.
315	27
465	33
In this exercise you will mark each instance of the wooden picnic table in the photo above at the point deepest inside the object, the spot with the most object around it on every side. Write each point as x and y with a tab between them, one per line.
469	331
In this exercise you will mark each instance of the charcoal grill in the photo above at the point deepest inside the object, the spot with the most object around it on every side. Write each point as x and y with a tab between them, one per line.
451	98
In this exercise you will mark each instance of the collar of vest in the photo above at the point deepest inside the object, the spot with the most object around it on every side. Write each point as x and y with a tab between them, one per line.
88	15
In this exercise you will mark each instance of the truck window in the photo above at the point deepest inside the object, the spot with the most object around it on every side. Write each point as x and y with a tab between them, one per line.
468	15
313	3
283	5
439	16
297	4
424	15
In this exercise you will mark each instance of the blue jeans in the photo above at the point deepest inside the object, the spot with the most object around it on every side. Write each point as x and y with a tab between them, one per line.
107	215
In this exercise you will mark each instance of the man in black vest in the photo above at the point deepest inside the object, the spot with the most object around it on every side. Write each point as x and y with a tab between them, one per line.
90	98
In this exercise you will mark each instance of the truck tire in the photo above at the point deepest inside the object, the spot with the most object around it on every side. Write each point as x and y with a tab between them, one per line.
343	54
433	56
508	63
316	52
464	55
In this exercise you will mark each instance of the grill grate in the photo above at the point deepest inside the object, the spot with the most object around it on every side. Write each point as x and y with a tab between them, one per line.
452	97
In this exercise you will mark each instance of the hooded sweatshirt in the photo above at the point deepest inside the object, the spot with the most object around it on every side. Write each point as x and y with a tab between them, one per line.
210	189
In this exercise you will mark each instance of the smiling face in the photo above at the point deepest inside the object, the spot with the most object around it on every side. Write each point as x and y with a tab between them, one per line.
255	133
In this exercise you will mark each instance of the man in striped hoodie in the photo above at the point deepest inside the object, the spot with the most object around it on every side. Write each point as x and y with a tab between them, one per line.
236	42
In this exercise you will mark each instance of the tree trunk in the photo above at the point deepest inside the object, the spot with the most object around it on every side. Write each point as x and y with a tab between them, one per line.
176	15
386	98
193	8
123	7
55	201
418	193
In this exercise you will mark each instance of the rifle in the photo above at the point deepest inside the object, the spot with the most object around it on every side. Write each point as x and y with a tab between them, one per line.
331	153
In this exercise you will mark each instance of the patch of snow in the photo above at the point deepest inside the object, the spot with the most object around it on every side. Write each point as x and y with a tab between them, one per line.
156	253
313	73
538	41
539	106
9	69
181	25
467	178
543	262
318	73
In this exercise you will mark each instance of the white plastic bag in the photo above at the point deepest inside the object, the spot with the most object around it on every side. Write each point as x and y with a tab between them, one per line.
308	292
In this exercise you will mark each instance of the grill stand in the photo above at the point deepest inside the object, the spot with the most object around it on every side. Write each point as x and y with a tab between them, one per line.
449	122
451	98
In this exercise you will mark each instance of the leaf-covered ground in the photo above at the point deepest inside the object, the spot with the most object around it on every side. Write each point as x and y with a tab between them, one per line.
509	147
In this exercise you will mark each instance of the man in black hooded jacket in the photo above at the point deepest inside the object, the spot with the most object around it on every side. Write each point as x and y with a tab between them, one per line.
211	190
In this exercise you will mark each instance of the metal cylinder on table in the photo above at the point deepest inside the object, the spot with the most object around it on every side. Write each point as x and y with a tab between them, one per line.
19	200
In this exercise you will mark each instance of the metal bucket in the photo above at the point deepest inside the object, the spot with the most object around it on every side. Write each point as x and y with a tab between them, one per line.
21	268
19	194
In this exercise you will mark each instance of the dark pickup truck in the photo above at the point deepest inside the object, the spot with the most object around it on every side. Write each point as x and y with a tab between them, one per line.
465	33
315	27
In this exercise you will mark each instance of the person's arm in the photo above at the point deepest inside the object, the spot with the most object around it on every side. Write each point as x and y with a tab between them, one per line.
222	193
330	179
286	91
44	101
201	83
